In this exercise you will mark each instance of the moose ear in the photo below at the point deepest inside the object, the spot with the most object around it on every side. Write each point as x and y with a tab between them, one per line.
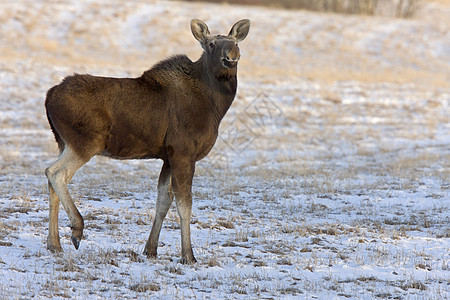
240	30
200	31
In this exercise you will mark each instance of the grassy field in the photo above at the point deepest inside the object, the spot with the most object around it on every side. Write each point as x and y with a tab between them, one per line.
330	178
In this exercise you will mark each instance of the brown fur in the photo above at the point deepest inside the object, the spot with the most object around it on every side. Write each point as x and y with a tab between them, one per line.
172	112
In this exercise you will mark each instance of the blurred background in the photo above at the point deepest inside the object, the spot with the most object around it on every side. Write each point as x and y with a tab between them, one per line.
369	40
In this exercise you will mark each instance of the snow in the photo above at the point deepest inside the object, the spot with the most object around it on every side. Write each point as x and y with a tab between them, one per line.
329	180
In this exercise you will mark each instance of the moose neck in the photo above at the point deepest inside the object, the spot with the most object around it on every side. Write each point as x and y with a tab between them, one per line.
221	83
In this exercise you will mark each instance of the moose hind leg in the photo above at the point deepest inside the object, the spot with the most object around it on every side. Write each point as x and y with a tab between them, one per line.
59	175
163	203
53	243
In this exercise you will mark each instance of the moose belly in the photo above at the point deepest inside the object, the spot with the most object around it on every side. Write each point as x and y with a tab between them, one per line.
134	147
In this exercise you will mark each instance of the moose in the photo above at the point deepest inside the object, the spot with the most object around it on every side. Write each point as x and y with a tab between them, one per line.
171	112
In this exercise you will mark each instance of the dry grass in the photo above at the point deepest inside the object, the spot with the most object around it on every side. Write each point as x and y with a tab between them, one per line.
400	9
338	60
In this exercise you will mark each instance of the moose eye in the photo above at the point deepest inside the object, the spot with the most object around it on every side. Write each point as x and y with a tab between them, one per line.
212	45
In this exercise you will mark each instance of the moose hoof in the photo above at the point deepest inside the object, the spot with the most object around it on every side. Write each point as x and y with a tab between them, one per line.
77	234
187	261
76	242
53	244
150	254
54	249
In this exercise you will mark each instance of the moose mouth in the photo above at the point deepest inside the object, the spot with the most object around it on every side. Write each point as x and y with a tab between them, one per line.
229	63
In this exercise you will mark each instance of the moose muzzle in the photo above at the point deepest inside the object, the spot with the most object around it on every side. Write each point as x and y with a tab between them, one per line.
231	57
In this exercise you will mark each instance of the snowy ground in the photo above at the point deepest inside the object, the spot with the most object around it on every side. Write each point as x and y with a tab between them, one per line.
330	178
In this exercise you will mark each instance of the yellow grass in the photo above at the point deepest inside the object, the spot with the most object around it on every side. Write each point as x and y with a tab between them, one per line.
330	64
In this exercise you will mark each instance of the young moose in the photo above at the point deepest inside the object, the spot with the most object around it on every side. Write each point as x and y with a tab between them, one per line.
172	112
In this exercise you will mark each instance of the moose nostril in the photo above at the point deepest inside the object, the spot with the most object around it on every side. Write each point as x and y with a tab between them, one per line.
230	59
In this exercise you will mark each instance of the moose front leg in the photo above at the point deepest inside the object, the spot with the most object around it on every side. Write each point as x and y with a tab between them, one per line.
163	202
182	174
